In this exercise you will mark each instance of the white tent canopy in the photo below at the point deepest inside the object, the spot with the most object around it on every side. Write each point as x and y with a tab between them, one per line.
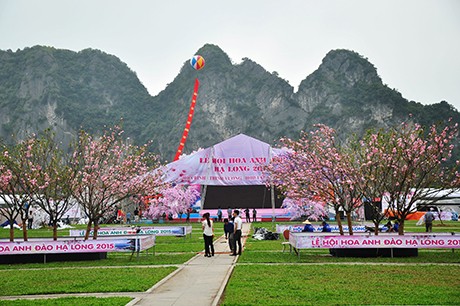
236	161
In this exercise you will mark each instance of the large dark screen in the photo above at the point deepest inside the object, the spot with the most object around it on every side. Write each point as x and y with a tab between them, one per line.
240	197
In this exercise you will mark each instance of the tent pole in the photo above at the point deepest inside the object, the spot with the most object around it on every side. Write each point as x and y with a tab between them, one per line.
203	196
272	191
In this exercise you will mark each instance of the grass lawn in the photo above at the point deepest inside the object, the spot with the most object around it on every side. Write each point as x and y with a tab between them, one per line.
256	281
346	284
82	280
322	256
70	301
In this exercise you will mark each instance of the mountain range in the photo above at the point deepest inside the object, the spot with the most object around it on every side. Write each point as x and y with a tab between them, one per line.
42	87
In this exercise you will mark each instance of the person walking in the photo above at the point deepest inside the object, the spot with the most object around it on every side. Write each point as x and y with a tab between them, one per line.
208	234
219	214
238	223
429	218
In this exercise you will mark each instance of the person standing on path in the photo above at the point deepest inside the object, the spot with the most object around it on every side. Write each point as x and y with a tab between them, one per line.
208	234
219	214
229	230
254	215
229	213
238	223
429	218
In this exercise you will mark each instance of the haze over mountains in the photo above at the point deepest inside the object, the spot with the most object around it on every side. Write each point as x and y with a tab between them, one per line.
44	87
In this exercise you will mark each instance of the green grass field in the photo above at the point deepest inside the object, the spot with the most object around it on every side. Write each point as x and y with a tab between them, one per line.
343	285
76	280
264	275
70	301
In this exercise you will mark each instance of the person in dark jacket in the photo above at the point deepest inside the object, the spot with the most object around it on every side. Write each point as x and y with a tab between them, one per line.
326	227
229	229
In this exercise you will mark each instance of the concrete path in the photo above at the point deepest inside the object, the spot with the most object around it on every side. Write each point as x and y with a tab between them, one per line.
200	281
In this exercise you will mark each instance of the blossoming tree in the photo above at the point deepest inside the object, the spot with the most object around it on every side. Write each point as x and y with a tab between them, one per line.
109	170
318	167
173	199
48	176
300	208
13	186
34	171
409	164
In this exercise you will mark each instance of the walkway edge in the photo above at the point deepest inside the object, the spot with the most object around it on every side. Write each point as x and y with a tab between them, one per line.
219	294
161	282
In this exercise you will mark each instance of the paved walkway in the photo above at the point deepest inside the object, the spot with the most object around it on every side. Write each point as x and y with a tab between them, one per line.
199	281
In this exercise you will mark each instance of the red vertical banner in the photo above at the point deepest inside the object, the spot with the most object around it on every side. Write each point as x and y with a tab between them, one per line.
189	121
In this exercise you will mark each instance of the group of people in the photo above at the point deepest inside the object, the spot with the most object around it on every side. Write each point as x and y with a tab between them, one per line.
309	227
391	227
230	214
232	229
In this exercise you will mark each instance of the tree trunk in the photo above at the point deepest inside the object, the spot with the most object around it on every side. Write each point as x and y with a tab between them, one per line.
350	224
24	230
54	231
339	222
88	229
96	228
401	227
376	228
11	231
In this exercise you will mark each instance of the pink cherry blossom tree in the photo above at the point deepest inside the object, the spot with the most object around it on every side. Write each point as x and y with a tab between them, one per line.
48	176
109	170
13	190
173	199
34	171
301	208
409	163
318	168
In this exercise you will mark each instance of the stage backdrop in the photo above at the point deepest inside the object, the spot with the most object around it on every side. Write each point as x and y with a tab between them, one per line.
232	171
236	161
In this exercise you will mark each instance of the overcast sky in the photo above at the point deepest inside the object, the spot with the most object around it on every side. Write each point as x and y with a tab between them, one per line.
415	45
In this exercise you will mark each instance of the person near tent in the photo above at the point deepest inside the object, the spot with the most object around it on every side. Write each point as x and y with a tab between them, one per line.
326	227
238	223
229	229
189	211
429	218
248	217
30	218
219	214
388	227
308	227
208	234
229	213
254	215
